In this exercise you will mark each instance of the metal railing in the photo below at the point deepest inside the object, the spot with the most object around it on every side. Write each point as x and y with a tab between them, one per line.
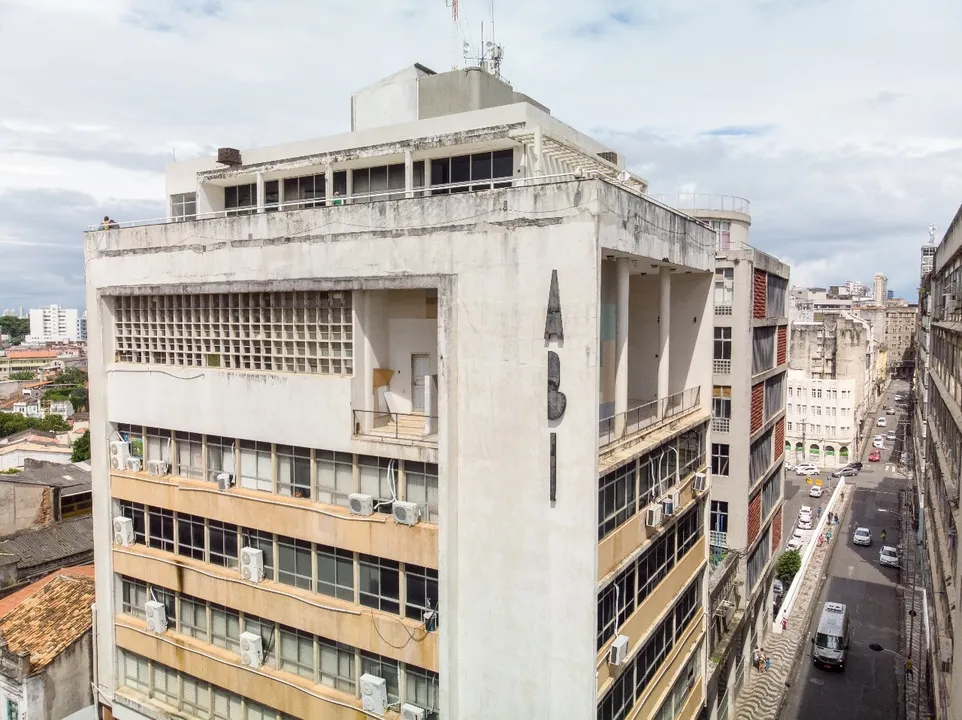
721	367
647	415
706	201
395	426
721	424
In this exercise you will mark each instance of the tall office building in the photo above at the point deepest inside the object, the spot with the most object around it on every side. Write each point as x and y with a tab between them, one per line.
341	425
55	324
880	289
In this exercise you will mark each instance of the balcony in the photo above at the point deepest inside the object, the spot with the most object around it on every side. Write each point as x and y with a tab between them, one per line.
721	367
706	202
647	416
407	428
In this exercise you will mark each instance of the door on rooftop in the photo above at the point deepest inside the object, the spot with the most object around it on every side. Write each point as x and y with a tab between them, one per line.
420	367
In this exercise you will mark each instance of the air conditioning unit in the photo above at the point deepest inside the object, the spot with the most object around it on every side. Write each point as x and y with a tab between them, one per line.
618	651
361	504
225	481
406	513
119	452
669	503
158	467
156	616
373	694
133	464
653	517
252	564
123	531
412	712
700	482
251	649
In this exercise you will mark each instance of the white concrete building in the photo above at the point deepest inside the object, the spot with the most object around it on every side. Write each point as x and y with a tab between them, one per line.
880	289
822	424
55	324
373	371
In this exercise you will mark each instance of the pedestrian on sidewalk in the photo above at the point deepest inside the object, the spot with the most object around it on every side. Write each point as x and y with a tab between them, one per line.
768	664
756	658
883	535
819	511
908	667
784	624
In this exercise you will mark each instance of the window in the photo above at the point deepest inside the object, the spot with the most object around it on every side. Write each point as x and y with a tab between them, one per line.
11	709
256	472
721	408
789	424
719	516
135	512
723	343
165	685
771	493
421	592
158	444
190	455
421	487
304	190
724	290
337	665
240	199
335	573
758	560
378	480
776	294
161	529
133	597
168	599
294	562
196	695
183	206
688	531
421	688
224	627
760	456
227	705
719	458
386	668
467	168
691	451
297	652
223	543
193	617
136	672
293	471
265	628
790	393
380	580
763	349
134	435
335	477
615	603
655	564
220	456
190	536
265	543
774	395
616	499
817	393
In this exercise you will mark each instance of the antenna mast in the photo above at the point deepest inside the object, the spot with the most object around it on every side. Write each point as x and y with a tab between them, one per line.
455	33
932	234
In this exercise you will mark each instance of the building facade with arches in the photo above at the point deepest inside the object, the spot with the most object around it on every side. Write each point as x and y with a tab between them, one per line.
821	421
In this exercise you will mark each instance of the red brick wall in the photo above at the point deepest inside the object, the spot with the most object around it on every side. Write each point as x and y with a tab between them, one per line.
782	344
780	438
759	294
758	406
777	530
754	517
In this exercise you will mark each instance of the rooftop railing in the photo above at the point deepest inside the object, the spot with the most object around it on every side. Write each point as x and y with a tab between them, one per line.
706	201
396	427
647	415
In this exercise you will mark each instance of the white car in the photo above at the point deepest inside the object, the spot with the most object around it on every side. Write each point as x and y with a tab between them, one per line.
862	536
794	544
881	422
890	435
805	523
815	492
878	443
889	556
805	513
806	469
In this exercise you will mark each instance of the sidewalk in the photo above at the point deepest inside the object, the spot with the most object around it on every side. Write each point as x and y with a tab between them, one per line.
764	692
911	630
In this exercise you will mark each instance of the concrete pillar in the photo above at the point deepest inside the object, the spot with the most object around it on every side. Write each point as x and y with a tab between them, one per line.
538	147
621	343
328	184
350	185
664	325
427	177
280	194
408	174
260	192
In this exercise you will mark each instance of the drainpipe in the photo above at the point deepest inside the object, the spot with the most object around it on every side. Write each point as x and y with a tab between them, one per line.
96	669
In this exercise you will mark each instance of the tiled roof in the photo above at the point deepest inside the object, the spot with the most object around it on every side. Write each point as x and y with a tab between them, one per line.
69	477
54	542
14	599
50	618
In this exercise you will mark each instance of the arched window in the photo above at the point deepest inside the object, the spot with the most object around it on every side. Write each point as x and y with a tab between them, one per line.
788	447
829	451
843	453
799	449
813	451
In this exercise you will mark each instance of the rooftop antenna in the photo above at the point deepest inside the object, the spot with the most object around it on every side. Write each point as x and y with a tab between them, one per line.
491	53
932	234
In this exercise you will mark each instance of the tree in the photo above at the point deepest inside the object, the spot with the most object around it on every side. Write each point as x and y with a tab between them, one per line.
78	398
16	328
787	566
11	423
81	448
70	376
21	375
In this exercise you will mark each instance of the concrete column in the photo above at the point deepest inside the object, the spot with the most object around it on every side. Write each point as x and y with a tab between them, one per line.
664	325
408	174
427	177
280	194
260	192
328	184
538	147
350	185
621	343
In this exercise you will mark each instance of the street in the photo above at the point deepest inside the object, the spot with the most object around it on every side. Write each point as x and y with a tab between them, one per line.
867	688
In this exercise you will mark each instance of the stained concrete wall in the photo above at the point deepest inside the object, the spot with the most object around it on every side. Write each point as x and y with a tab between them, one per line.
66	681
23	506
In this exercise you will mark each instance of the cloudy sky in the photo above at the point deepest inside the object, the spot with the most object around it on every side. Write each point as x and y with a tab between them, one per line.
841	120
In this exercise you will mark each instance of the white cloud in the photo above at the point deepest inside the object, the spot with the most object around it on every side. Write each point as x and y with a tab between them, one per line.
839	120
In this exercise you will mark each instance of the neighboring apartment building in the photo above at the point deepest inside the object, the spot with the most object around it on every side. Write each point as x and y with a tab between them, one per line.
339	448
29	445
938	467
14	360
901	326
833	383
880	289
55	324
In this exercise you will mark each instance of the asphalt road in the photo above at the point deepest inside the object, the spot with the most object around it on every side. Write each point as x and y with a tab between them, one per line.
867	688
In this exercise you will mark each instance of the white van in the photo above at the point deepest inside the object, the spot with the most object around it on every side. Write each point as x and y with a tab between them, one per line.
830	644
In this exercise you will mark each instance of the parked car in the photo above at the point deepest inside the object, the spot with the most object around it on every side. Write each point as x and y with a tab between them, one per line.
881	422
875	456
794	544
815	492
890	411
899	398
890	435
862	536
857	465
805	512
805	523
878	443
888	556
845	472
806	469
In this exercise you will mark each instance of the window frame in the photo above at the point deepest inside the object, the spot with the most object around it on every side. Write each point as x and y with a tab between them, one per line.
341	563
338	469
371	594
294	472
421	486
420	584
300	553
